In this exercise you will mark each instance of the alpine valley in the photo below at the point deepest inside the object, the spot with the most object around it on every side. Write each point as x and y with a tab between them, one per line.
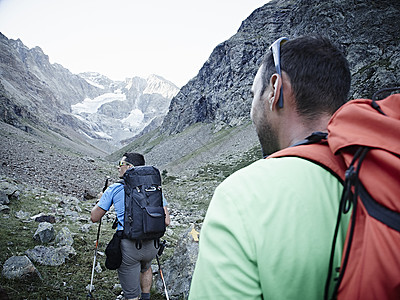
101	111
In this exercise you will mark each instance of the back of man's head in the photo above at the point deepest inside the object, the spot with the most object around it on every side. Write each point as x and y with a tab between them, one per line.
136	159
318	72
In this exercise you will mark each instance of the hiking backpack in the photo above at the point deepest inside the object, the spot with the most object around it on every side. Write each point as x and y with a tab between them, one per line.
362	149
144	216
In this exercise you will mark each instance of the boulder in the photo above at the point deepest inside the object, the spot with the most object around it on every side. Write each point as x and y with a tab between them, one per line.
4	209
67	251
64	237
178	269
45	218
90	194
48	256
44	233
10	190
4	198
51	256
23	216
20	267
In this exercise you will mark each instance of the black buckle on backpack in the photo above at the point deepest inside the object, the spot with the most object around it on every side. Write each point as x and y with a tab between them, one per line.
313	138
115	223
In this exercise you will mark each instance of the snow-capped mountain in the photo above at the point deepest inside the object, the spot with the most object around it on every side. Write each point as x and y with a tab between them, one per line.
88	107
125	108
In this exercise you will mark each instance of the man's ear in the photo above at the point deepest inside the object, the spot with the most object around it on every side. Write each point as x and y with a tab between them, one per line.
273	97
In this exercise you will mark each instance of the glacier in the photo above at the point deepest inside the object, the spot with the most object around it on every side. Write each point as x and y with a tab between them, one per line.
125	108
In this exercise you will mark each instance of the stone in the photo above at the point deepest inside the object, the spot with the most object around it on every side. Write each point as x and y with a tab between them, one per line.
85	228
24	216
49	219
48	256
11	190
4	209
4	198
98	268
67	251
19	267
178	269
45	233
64	237
90	194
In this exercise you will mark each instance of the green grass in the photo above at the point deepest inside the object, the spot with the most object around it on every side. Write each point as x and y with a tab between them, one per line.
68	281
61	282
219	171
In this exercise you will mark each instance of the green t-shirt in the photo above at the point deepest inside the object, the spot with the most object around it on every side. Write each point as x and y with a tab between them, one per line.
268	233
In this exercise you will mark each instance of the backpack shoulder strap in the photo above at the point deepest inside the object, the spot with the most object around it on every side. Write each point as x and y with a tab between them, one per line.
318	153
116	222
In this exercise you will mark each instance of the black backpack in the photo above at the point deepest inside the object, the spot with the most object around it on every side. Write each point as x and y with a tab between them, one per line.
144	217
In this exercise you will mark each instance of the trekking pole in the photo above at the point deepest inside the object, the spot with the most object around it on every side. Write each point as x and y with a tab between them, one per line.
95	250
162	246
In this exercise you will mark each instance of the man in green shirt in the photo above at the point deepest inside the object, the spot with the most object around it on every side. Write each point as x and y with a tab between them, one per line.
269	227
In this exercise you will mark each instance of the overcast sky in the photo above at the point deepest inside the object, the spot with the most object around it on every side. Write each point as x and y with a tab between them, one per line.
126	38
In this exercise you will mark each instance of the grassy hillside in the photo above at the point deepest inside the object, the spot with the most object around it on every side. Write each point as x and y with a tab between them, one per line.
198	145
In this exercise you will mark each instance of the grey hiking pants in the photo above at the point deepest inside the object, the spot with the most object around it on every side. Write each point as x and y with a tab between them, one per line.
134	261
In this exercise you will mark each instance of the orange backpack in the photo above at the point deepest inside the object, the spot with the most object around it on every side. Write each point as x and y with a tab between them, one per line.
362	150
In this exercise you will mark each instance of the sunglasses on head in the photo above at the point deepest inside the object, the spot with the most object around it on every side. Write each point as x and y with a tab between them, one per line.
276	53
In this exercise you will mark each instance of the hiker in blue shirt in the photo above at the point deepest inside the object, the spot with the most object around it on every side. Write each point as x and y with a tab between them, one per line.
135	272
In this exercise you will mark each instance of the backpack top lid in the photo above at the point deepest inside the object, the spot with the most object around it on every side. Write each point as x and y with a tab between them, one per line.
358	123
142	175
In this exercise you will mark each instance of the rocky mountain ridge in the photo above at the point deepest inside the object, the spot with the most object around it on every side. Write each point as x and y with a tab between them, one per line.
368	32
35	93
30	85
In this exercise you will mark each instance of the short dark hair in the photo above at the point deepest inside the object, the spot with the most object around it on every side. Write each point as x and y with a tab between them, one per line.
135	159
319	74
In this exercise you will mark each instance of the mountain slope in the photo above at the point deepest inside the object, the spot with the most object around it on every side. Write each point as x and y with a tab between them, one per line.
91	106
36	94
368	31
